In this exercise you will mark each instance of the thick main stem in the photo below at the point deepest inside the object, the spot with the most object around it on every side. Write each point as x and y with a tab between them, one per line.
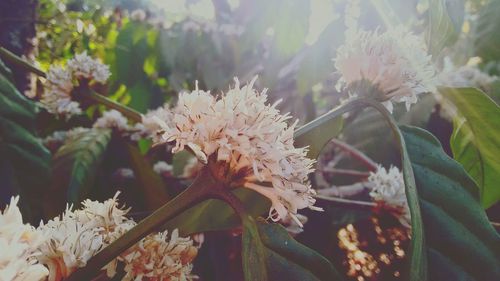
200	190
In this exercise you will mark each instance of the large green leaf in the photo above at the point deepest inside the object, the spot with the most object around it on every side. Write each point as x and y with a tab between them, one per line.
75	167
270	253
455	224
476	139
25	160
445	23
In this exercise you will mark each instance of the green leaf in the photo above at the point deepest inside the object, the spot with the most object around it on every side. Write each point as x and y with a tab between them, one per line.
476	139
455	224
253	252
443	269
486	41
292	25
151	183
270	253
26	160
214	214
75	167
316	137
445	23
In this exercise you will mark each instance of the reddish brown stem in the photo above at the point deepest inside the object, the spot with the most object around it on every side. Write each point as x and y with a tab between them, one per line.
360	156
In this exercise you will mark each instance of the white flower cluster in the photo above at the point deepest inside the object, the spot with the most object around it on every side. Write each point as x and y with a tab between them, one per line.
158	258
388	187
58	138
76	236
18	243
113	119
57	97
72	239
243	140
162	167
395	62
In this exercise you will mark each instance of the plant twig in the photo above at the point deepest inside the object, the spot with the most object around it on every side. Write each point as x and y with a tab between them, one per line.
125	110
495	224
345	201
372	166
16	60
346	172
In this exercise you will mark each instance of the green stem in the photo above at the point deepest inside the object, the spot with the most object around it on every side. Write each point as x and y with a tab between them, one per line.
329	116
16	60
125	110
201	189
418	262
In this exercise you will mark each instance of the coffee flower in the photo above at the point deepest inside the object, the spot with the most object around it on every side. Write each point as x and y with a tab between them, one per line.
388	188
57	97
18	244
395	63
156	257
244	142
112	119
76	236
162	167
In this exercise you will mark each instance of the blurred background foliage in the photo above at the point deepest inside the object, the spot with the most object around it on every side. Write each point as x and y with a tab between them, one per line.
157	49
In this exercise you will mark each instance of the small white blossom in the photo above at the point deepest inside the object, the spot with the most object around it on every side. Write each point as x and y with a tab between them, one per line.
156	257
388	187
292	226
18	242
150	125
247	140
161	167
83	66
395	62
76	236
112	119
57	97
192	168
138	15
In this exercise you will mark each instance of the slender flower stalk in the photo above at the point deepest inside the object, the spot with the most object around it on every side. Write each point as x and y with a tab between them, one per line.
371	165
345	201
